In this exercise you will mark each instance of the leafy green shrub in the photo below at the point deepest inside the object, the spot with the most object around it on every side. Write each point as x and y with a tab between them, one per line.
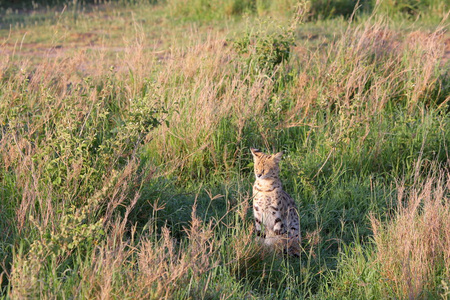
145	113
262	50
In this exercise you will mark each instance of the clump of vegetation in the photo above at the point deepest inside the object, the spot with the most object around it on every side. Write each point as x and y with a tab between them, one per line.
408	257
412	249
265	51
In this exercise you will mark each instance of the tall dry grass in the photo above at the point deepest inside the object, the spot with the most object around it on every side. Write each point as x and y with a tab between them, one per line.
356	76
413	248
151	268
72	164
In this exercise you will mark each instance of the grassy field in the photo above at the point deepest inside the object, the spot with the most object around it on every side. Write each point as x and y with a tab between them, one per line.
125	129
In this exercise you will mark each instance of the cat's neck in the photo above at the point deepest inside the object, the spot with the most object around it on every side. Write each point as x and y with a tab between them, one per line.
267	184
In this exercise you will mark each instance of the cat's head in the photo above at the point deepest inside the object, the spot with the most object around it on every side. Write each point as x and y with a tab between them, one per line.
266	165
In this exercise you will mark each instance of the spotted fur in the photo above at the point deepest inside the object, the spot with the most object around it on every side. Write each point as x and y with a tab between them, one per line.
276	217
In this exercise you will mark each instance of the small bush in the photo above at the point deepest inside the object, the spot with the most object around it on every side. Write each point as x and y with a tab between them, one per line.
262	50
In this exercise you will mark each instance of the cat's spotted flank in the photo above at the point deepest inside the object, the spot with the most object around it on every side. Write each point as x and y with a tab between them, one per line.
275	212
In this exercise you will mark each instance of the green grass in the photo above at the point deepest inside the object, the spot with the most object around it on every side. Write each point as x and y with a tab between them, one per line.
125	131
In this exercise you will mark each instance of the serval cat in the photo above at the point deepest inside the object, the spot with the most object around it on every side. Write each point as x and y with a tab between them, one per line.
276	217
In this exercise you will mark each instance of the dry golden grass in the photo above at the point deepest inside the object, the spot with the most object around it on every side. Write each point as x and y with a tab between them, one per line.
413	248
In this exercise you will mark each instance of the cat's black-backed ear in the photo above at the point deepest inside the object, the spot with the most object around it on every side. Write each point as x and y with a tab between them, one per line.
277	157
256	152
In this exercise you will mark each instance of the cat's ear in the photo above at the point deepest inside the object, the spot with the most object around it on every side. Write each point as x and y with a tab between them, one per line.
277	157
255	152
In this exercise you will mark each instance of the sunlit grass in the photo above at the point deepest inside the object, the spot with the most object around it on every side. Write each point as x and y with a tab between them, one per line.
124	161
